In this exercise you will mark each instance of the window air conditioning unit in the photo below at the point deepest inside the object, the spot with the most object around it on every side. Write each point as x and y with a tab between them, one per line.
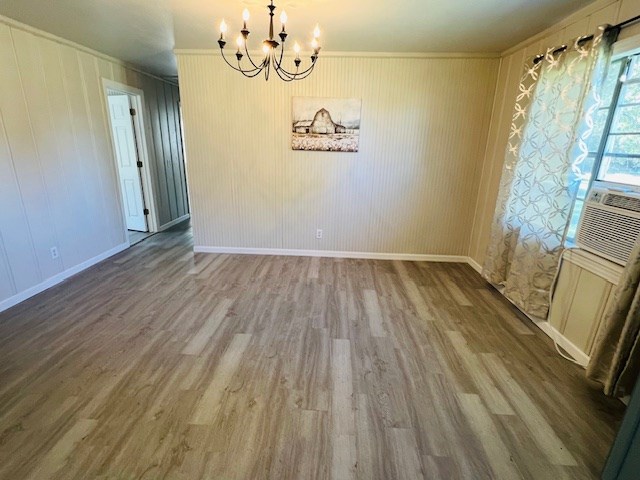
610	224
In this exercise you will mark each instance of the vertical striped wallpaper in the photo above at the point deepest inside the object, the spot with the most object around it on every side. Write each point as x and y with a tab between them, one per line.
58	180
410	189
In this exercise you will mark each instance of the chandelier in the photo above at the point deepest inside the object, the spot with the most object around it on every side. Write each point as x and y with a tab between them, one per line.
273	55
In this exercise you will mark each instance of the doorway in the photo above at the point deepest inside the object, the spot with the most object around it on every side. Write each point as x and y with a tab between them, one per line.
125	108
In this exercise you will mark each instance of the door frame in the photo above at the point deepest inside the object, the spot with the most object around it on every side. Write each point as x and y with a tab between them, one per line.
136	97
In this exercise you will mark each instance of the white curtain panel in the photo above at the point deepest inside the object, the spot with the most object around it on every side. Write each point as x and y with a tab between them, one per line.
558	95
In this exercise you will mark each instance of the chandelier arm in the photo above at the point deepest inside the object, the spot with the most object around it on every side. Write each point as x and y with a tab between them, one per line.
251	73
303	75
254	72
284	75
288	74
307	73
247	73
281	53
271	66
267	67
246	49
279	68
228	63
299	74
257	69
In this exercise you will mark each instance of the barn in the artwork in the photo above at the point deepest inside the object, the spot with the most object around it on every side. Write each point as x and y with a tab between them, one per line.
326	124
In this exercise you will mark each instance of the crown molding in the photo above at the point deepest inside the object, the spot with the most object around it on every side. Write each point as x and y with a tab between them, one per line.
574	17
336	54
10	22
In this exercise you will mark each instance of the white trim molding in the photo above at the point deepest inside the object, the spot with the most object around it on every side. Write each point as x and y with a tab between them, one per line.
60	277
599	266
575	17
143	138
63	41
626	46
411	257
329	54
578	355
172	223
475	265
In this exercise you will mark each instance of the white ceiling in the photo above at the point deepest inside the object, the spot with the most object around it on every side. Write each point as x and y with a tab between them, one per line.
145	32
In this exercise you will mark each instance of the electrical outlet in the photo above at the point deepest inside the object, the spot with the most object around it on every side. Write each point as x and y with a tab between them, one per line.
319	234
54	252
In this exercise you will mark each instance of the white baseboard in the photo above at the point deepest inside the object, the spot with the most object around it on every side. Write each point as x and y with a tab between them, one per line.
60	277
562	341
174	222
413	257
475	265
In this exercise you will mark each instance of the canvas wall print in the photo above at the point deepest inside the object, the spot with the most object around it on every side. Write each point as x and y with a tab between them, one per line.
326	124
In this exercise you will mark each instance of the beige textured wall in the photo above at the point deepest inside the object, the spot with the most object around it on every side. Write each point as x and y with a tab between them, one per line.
581	23
411	189
58	182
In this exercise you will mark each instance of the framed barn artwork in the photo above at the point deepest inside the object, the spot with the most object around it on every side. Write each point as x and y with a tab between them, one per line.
326	124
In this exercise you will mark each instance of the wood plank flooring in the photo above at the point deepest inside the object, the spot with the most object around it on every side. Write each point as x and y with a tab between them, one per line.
162	364
137	237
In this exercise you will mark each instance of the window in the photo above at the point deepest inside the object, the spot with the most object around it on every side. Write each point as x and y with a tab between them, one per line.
621	155
614	145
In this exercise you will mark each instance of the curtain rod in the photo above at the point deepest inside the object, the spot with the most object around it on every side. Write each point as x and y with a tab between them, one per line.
586	38
627	22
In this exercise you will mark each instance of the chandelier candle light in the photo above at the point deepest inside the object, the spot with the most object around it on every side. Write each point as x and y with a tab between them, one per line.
272	58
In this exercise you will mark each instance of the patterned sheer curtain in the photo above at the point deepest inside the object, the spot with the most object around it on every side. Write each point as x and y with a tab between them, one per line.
558	94
615	361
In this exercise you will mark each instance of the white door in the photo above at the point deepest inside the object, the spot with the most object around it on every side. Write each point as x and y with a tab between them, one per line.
127	157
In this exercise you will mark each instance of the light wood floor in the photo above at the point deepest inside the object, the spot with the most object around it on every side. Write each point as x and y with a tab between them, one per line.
161	364
136	237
